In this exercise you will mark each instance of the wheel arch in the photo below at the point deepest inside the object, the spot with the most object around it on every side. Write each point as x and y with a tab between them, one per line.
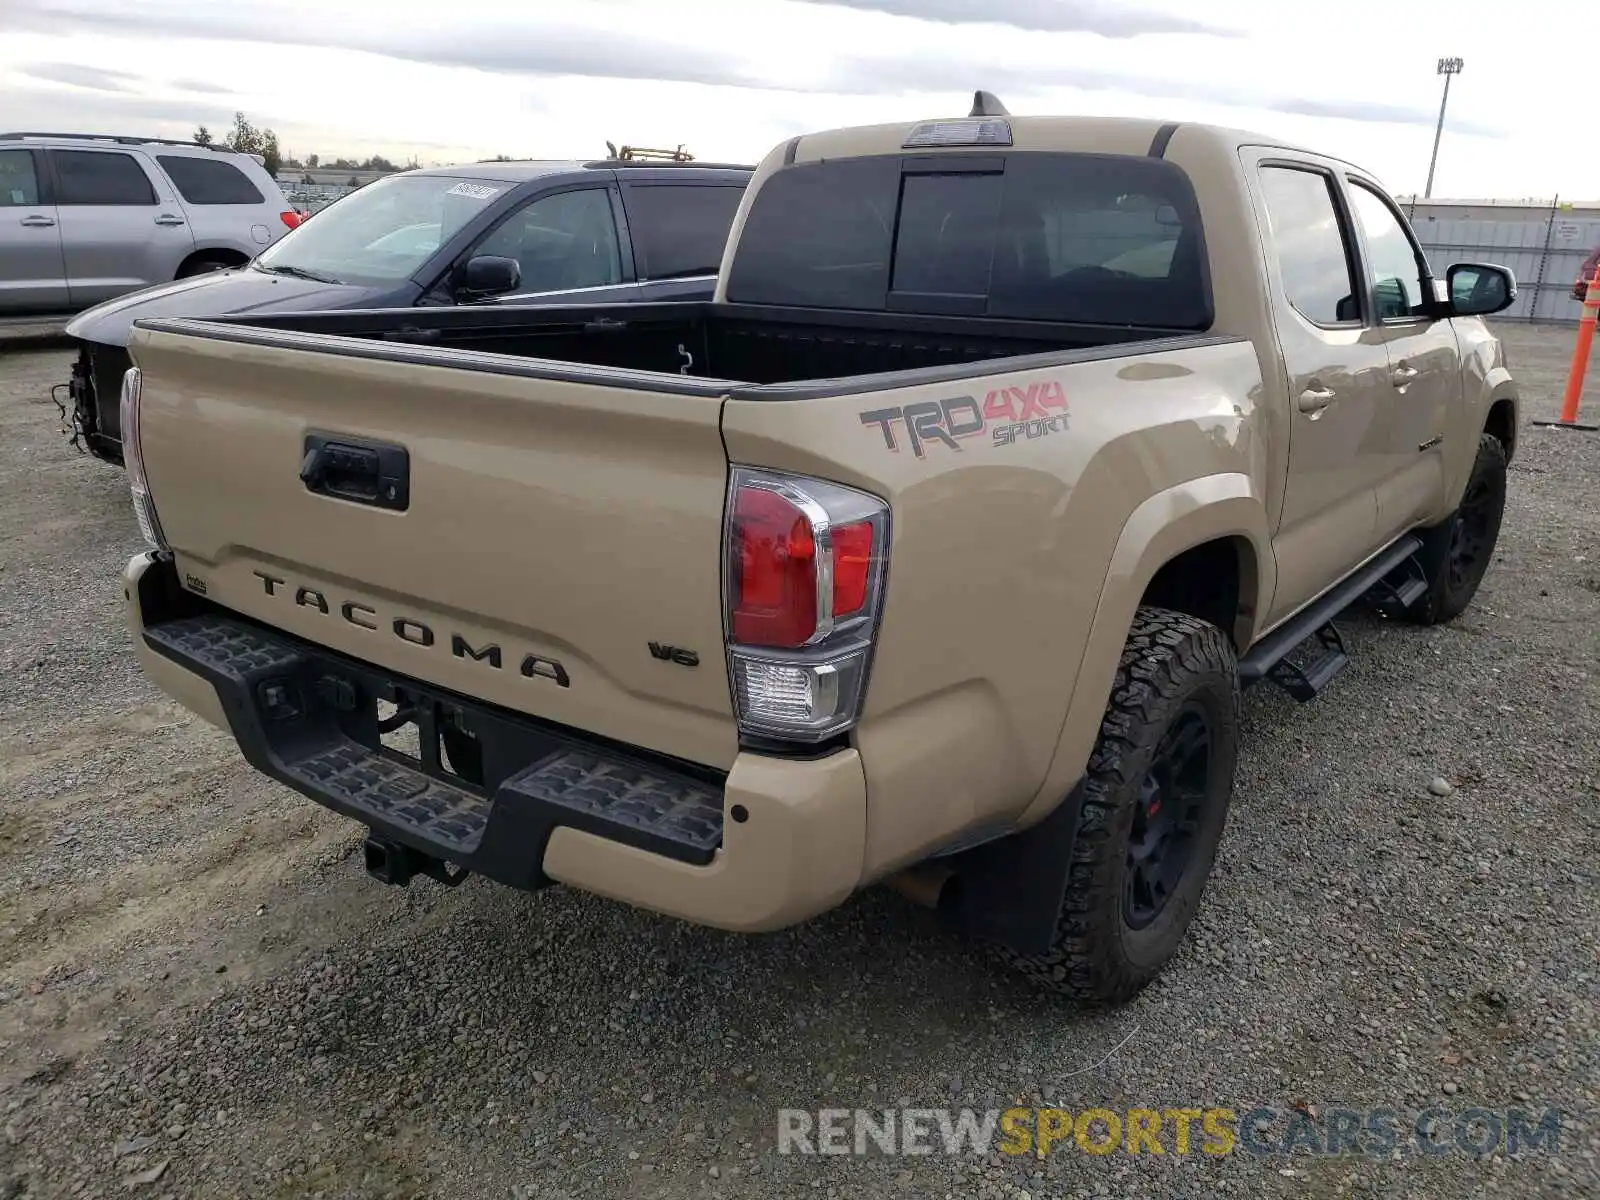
1207	521
222	254
1217	580
1501	422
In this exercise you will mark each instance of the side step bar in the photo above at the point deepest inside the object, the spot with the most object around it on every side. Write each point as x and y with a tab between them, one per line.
1401	587
1267	659
1308	682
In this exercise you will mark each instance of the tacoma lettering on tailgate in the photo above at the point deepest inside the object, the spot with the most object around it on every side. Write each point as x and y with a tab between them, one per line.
409	629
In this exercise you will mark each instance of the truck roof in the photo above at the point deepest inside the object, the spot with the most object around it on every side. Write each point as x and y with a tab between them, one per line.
1111	135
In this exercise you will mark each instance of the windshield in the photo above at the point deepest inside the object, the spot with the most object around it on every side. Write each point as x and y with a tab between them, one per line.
383	232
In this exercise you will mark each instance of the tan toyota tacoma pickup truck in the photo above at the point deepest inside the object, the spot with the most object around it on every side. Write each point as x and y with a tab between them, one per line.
934	550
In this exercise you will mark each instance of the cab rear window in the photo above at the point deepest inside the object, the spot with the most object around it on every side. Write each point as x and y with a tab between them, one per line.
1082	238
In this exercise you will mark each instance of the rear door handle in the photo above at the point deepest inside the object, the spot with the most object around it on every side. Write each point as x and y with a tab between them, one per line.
168	219
1403	375
1314	399
37	222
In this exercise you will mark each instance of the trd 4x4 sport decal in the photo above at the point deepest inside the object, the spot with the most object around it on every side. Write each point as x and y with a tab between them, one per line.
1007	415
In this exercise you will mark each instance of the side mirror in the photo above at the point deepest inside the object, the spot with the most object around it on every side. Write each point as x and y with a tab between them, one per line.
486	275
1479	289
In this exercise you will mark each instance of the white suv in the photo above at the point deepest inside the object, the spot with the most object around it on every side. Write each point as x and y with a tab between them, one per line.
85	217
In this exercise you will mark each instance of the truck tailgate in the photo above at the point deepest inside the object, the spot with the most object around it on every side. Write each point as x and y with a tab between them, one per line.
559	548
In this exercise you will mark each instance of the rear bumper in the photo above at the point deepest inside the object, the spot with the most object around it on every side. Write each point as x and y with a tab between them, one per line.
770	843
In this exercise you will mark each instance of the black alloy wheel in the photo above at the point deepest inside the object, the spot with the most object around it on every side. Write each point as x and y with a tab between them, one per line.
1167	816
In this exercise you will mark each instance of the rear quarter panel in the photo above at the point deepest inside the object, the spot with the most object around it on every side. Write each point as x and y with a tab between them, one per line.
245	228
1009	554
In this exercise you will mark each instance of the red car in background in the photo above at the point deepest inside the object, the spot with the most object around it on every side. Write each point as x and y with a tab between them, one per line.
1580	285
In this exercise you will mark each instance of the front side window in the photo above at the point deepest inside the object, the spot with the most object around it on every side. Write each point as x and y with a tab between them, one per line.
1090	238
383	232
1313	260
568	240
101	177
1392	260
19	179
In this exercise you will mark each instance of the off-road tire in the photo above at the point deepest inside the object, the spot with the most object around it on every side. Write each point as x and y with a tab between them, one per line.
1172	664
1453	583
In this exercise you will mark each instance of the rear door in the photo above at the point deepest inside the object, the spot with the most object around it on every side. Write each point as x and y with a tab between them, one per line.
678	231
1337	372
32	274
1424	362
556	522
121	226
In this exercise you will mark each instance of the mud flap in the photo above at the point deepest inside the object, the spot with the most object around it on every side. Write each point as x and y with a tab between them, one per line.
1010	890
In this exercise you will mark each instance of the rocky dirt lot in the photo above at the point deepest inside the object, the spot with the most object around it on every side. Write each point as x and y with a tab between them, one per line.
201	994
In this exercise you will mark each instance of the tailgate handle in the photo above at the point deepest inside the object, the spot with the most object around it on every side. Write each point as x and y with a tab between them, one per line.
363	472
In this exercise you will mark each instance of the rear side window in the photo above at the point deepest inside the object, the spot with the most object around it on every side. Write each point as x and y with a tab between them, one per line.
680	229
1313	260
100	177
1087	238
19	179
209	180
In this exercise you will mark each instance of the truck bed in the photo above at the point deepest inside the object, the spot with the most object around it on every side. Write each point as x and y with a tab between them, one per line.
722	344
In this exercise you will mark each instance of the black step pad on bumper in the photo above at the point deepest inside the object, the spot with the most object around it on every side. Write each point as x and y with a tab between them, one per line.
585	784
309	718
369	782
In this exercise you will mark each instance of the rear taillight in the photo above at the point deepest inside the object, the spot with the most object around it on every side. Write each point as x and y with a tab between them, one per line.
805	572
291	219
144	509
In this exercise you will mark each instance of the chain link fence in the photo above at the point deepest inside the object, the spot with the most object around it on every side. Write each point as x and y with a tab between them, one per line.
1543	242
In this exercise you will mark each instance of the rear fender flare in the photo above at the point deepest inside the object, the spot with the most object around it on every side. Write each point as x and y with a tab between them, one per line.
1168	523
1498	387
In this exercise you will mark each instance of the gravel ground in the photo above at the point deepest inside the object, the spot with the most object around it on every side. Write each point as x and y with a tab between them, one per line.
202	995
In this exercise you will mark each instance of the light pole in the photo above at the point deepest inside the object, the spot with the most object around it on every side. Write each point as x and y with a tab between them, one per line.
1447	67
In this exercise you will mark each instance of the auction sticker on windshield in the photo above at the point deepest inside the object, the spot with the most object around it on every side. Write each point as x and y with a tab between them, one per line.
477	191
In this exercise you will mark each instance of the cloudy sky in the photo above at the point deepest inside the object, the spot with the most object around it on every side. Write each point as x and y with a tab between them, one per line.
446	80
